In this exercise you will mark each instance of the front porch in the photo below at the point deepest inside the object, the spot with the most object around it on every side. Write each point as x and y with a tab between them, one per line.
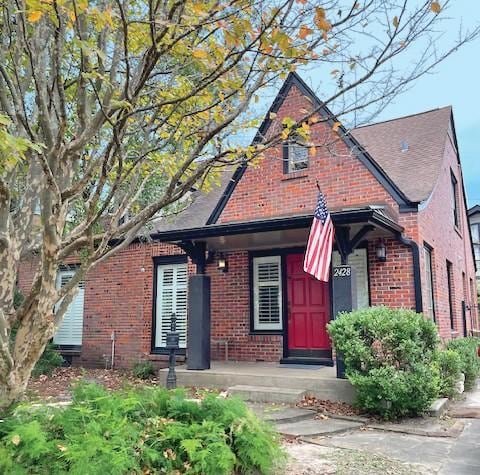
318	381
251	301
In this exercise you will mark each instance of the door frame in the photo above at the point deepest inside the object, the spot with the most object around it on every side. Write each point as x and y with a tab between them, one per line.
282	252
306	353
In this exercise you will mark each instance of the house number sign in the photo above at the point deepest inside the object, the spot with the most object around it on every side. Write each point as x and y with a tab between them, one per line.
342	271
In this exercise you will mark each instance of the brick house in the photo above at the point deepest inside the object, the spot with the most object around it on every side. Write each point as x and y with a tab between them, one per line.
474	220
396	196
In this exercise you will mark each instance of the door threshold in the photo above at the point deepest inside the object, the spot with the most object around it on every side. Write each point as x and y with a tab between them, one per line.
307	361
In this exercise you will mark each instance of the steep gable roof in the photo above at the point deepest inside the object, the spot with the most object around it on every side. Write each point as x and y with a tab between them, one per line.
408	175
409	149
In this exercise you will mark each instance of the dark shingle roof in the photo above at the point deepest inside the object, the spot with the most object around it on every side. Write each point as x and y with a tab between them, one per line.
414	171
197	213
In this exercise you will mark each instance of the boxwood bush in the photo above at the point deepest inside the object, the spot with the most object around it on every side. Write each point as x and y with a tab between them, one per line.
467	349
450	367
147	430
389	357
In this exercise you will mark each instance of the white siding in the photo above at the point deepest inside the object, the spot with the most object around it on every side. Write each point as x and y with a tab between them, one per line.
172	280
70	330
358	260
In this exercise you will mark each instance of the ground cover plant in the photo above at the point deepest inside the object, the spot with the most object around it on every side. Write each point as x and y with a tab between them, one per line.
148	430
389	356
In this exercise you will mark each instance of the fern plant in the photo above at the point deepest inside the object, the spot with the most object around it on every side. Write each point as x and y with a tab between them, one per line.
148	430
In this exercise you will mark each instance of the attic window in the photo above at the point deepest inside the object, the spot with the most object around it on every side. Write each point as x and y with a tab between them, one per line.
295	155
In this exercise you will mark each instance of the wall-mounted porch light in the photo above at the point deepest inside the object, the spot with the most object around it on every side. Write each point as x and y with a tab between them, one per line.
222	263
381	251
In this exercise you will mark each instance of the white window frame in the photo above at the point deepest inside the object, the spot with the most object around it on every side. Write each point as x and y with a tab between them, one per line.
294	164
257	325
79	299
176	286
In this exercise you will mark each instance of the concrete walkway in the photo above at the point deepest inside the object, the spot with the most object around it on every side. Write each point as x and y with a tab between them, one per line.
426	450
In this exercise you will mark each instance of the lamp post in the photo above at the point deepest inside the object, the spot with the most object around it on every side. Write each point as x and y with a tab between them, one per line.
172	346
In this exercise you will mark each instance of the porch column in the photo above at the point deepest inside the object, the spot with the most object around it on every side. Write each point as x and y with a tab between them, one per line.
344	299
198	338
198	331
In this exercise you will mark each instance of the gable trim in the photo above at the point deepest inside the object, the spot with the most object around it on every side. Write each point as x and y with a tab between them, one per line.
405	205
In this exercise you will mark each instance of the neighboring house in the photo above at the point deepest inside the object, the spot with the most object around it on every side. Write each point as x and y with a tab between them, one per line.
395	186
474	220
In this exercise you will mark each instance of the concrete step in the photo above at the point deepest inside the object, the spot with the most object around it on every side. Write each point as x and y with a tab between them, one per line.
438	407
316	427
281	414
320	386
267	393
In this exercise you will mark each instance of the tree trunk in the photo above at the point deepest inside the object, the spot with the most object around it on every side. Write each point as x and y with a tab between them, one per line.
33	333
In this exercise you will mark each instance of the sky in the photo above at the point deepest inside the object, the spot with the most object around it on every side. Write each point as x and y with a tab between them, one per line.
454	82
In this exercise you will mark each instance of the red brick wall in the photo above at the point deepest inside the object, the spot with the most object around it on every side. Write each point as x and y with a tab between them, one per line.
436	228
264	191
391	282
230	307
119	297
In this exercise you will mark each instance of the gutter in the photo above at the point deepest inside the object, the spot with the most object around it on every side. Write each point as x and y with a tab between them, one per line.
417	277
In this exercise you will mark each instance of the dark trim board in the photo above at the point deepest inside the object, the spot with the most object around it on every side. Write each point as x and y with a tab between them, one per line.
366	215
157	261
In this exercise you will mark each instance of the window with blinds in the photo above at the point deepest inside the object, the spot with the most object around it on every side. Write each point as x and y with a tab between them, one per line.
172	283
267	285
358	260
70	331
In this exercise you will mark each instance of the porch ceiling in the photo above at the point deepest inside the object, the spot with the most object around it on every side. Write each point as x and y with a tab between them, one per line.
281	232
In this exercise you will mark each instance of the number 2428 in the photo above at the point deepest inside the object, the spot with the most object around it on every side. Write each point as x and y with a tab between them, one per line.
342	271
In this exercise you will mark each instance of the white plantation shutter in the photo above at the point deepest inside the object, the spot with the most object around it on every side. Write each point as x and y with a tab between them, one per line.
358	260
70	330
172	280
267	285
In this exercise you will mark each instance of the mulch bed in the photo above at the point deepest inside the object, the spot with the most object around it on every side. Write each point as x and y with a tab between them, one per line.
58	385
328	407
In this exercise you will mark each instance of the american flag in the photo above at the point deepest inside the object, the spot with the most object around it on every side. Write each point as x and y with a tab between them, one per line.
320	242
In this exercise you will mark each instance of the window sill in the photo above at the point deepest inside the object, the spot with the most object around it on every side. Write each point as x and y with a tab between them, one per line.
294	175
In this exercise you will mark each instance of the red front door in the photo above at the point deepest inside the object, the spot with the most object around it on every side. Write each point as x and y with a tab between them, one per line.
308	312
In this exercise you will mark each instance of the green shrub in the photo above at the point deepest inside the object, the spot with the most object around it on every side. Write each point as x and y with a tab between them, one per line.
49	360
143	369
470	362
389	358
450	367
149	430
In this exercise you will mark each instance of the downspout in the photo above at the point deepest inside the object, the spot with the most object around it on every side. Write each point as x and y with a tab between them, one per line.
417	278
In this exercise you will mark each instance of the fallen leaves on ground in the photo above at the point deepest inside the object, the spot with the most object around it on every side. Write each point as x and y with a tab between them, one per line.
324	406
58	385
